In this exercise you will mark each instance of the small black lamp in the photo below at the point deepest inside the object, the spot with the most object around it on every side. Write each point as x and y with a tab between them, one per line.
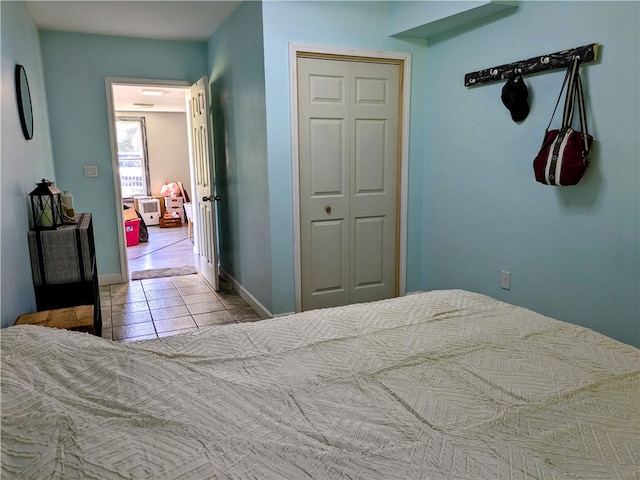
46	206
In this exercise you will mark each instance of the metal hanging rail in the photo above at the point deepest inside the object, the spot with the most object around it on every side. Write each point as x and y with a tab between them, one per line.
552	61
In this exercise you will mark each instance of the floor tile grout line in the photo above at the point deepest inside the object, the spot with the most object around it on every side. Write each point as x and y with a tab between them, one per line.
157	249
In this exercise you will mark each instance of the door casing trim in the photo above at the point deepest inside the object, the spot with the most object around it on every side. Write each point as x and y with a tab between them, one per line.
353	54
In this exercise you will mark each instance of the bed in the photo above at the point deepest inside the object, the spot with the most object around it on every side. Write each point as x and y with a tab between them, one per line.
436	385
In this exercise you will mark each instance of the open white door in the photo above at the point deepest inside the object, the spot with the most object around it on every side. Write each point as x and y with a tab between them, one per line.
205	183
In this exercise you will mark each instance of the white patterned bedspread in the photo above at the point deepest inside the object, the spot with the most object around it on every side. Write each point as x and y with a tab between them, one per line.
440	385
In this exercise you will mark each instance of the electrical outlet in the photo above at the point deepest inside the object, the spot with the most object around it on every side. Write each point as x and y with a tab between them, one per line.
505	280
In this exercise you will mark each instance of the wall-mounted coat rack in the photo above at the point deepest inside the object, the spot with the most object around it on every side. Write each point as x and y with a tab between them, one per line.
552	61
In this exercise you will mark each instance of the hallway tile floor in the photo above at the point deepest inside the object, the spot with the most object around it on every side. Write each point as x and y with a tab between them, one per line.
159	307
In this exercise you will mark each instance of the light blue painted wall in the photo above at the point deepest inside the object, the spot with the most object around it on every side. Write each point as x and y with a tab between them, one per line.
345	24
236	63
23	163
573	252
75	67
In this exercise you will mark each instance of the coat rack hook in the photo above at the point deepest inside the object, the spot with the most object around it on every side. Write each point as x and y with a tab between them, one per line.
553	61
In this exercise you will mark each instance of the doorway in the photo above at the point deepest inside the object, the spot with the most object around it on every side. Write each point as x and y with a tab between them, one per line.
333	272
159	108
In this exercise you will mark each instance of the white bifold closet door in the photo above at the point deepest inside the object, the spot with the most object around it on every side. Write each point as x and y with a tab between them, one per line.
348	152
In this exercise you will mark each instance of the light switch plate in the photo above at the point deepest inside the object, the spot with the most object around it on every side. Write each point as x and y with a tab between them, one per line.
90	170
505	280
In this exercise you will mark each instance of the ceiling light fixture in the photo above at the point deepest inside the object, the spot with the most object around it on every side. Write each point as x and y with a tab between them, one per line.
153	93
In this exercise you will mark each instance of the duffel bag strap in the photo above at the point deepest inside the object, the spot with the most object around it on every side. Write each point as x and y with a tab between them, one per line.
583	119
566	77
572	85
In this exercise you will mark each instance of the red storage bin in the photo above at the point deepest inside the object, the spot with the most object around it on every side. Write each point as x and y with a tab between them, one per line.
132	230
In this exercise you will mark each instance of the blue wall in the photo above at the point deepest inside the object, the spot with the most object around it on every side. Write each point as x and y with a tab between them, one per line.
75	67
474	207
24	162
236	59
344	24
573	252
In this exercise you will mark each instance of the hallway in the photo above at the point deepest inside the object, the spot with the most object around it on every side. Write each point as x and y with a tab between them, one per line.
159	307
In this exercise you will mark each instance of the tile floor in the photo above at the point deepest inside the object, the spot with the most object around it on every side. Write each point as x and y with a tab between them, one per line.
160	307
166	247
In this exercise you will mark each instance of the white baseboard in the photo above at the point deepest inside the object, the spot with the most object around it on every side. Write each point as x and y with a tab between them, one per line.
286	314
110	279
246	296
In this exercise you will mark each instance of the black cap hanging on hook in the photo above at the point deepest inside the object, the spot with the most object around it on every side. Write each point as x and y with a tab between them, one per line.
515	97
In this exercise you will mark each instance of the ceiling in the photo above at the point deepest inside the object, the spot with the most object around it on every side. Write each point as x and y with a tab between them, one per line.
167	20
130	99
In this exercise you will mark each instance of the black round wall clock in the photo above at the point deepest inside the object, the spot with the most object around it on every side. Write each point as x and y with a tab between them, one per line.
24	102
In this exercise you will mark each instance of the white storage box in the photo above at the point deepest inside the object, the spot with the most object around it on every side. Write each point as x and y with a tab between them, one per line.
149	209
176	210
173	202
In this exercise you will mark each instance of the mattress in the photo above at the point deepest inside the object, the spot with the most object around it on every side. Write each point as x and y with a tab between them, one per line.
437	385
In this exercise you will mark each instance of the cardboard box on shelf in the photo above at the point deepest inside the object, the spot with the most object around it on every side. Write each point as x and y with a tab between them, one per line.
129	214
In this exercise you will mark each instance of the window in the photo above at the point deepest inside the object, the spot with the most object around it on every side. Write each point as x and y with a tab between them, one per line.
132	156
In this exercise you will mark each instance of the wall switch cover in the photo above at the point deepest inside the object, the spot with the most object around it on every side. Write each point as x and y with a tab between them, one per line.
505	280
90	170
